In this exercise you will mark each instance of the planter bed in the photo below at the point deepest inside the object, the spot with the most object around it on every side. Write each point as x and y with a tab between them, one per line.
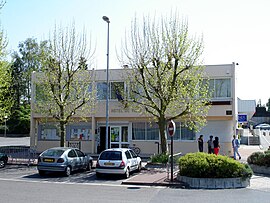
214	183
260	169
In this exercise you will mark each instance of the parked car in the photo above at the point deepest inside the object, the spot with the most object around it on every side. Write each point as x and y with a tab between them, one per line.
63	159
263	126
3	160
118	161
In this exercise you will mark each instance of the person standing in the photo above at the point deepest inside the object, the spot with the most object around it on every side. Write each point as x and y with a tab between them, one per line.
235	146
200	143
216	146
210	145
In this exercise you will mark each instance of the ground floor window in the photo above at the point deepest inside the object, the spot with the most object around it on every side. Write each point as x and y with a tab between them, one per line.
48	131
150	131
183	133
80	133
145	131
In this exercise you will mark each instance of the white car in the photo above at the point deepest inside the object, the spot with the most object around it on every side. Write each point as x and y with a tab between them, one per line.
118	161
263	126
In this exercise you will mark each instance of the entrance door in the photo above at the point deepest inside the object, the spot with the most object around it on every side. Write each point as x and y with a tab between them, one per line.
119	136
102	141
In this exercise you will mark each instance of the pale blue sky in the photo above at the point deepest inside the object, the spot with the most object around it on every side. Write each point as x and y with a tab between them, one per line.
233	30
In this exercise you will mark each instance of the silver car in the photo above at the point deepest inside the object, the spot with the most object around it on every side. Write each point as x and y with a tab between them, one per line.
118	161
63	159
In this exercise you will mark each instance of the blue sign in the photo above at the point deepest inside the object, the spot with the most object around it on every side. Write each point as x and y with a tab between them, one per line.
242	118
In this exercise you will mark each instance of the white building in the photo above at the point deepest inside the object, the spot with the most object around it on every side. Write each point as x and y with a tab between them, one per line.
128	128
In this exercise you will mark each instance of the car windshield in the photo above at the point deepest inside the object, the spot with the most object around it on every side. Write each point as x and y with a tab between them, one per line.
53	152
111	155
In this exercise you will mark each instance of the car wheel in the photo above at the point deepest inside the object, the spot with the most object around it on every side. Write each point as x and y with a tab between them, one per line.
89	166
2	163
68	171
98	175
127	173
139	167
41	173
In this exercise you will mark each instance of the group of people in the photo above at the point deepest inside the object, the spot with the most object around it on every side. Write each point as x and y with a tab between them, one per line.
214	146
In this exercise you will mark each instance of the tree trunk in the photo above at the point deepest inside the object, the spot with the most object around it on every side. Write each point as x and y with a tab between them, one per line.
162	132
62	134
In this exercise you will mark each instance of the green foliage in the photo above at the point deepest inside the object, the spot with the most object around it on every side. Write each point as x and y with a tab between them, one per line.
202	165
260	158
165	74
63	89
160	158
6	100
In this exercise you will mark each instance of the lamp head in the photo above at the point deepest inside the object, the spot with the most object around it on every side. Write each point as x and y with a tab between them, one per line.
105	18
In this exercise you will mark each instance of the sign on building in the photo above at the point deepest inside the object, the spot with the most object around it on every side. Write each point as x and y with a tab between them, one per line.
242	118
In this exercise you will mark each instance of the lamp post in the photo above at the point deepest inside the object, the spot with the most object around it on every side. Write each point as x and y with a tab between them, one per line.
107	20
5	118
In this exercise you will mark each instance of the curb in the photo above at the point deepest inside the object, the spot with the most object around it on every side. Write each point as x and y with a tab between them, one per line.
175	184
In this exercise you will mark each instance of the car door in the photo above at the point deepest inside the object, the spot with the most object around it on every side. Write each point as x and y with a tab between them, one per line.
73	159
134	159
81	159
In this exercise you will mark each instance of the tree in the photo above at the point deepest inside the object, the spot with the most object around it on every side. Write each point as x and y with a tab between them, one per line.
26	60
64	89
168	80
6	101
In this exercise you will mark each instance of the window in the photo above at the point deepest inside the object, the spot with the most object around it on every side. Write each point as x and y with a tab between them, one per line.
152	131
48	132
101	90
138	131
80	133
79	153
133	153
187	134
145	131
72	154
117	90
183	133
128	155
223	88
220	88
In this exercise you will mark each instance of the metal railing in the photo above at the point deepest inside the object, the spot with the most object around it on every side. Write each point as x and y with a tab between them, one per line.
74	144
176	168
20	154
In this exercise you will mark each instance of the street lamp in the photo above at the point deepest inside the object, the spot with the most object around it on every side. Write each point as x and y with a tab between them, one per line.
5	118
107	20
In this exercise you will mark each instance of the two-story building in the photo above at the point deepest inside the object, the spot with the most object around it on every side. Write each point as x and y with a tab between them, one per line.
129	128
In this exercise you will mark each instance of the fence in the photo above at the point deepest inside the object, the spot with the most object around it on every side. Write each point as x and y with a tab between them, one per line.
175	166
20	154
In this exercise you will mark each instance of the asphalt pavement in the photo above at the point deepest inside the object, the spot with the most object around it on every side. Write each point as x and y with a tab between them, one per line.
154	175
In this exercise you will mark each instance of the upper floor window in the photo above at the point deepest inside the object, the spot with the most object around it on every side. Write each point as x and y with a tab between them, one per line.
220	88
116	90
101	90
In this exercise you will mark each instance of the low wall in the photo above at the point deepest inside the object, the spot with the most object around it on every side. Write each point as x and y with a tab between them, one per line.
260	169
214	183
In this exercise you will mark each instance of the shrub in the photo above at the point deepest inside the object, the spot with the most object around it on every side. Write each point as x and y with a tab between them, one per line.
202	165
260	158
160	158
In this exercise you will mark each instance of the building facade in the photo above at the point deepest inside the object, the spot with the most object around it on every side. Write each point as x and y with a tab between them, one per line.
128	128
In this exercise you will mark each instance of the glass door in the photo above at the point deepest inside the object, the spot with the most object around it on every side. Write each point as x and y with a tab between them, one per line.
119	136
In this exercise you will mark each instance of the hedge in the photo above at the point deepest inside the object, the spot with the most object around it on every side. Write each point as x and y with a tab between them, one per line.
202	165
260	158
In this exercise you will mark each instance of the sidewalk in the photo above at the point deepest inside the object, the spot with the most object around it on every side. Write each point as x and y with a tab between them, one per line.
152	176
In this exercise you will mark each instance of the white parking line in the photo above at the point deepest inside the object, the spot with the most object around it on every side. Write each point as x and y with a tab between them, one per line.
73	183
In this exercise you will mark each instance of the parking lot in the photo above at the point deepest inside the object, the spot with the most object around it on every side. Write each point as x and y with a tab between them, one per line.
22	172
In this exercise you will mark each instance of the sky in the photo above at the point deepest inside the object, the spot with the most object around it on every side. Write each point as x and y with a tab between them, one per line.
233	30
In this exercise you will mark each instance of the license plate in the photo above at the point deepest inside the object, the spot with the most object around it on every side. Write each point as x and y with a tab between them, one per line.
48	160
108	164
